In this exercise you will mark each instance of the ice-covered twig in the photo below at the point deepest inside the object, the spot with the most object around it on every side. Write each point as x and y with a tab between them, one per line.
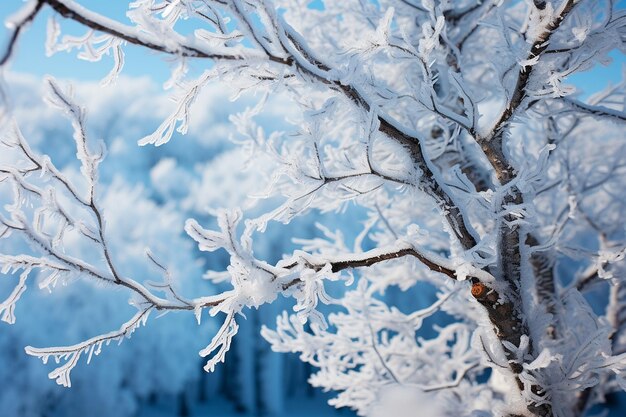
76	12
71	354
596	110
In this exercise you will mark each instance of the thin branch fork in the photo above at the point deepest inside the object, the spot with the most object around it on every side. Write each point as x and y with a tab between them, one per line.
493	148
588	278
492	144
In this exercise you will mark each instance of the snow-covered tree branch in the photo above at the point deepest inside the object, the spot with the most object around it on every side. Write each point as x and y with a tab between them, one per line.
450	126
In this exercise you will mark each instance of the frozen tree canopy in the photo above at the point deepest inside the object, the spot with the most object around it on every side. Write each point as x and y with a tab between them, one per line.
481	171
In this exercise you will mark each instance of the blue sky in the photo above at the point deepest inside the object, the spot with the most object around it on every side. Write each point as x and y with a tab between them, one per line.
30	57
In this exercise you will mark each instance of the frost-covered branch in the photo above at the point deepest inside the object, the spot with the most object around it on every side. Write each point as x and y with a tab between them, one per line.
74	11
492	143
16	24
595	110
57	210
71	354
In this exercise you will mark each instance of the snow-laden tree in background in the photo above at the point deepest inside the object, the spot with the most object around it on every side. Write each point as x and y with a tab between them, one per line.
451	124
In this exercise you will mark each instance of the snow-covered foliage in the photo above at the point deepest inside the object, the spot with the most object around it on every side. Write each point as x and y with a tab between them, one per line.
452	129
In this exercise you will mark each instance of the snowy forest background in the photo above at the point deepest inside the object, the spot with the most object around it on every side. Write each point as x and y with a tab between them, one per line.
148	193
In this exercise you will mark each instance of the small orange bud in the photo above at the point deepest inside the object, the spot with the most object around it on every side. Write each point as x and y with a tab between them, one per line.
478	289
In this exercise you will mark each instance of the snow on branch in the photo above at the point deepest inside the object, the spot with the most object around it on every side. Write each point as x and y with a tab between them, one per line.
16	24
26	263
605	112
42	219
180	116
177	45
89	162
71	354
7	307
255	282
220	343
